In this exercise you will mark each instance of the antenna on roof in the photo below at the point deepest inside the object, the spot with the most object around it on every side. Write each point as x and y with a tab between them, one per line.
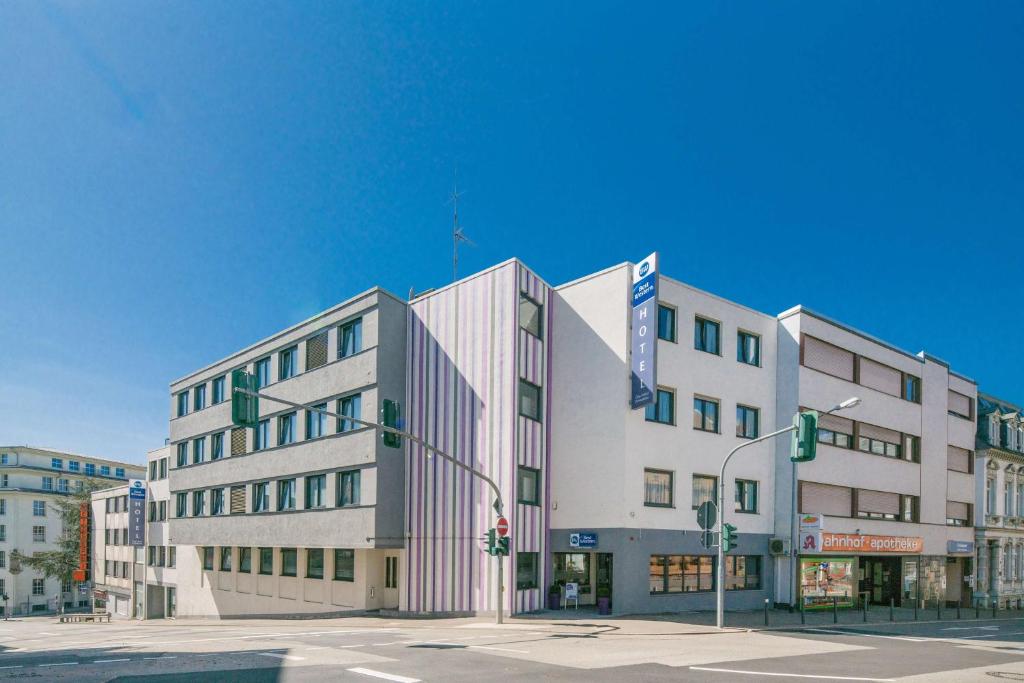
457	234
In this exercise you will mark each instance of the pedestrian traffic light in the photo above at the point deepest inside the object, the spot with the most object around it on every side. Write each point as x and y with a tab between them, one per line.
503	546
390	416
805	436
730	539
245	409
491	550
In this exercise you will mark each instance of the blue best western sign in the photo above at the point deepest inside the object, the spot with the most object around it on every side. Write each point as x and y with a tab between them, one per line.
583	539
644	336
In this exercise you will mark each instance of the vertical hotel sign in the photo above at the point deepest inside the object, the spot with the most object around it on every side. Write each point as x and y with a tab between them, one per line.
644	337
137	513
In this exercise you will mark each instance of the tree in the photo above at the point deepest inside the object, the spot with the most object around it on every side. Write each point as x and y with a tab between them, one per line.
60	563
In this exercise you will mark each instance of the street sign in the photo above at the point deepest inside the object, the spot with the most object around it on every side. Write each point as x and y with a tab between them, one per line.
502	527
707	514
707	538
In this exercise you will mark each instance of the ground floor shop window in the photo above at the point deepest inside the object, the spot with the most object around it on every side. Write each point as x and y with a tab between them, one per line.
526	571
742	572
682	573
825	578
573	568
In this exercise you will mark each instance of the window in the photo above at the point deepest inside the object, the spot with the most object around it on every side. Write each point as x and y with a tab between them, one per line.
663	409
225	558
238	441
879	447
958	514
990	496
746	496
287	361
316	491
162	556
742	572
62	485
261	497
530	315
528	489
262	371
705	335
3	532
746	422
218	390
267	561
47	483
883	505
180	504
163	468
152	470
182	454
56	463
245	560
348	488
90	468
658	488
3	562
748	348
216	501
152	511
4	458
316	351
666	323
911	388
529	400
705	414
681	573
182	403
390	572
74	466
200	397
262	434
344	564
350	338
1020	498
217	446
316	422
207	558
198	503
104	470
526	571
286	494
286	429
289	562
3	506
834	438
1008	499
315	563
38	508
39	534
162	509
38	587
705	488
198	450
349	406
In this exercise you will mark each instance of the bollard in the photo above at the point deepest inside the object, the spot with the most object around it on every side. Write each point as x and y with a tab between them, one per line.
766	611
802	616
977	609
995	607
835	609
958	610
938	609
864	607
892	602
915	610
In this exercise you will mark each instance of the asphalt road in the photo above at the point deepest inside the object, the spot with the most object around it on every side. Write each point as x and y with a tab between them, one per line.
370	650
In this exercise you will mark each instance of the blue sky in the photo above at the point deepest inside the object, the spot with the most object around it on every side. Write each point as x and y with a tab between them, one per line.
178	180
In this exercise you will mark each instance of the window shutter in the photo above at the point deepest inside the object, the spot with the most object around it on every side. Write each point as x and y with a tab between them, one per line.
959	404
835	423
955	510
879	433
826	499
316	351
238	500
880	377
958	459
238	441
828	358
878	501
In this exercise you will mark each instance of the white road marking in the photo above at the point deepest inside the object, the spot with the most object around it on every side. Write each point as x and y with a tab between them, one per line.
394	642
108	661
991	635
867	635
316	647
499	649
164	657
281	656
47	633
971	628
768	673
343	646
60	664
13	666
381	674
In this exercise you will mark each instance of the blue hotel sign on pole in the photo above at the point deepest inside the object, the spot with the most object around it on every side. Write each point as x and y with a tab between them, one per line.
644	336
137	513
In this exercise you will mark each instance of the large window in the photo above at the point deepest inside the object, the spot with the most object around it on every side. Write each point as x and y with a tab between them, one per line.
349	406
199	401
182	403
666	323
748	348
348	488
262	434
531	316
199	450
286	429
182	454
286	494
39	534
316	422
350	338
742	572
316	491
344	564
911	388
657	488
287	362
267	561
681	573
217	446
526	571
746	422
705	414
198	503
261	497
262	372
746	495
528	488
181	505
207	557
218	390
225	558
663	409
705	335
38	508
315	563
704	489
289	562
529	400
572	568
245	560
216	501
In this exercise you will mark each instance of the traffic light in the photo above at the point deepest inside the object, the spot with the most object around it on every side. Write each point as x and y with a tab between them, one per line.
730	539
503	546
390	416
805	437
491	550
245	409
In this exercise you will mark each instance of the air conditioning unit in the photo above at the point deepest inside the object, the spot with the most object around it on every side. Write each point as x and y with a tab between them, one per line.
778	546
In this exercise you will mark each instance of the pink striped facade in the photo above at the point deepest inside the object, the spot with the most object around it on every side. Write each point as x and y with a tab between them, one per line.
466	356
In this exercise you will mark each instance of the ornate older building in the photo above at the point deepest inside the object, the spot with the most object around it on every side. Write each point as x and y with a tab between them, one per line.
1000	502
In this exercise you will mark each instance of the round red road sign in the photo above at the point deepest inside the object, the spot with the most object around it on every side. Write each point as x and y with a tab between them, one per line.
502	527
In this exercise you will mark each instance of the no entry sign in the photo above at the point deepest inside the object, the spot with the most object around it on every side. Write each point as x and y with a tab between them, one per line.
502	527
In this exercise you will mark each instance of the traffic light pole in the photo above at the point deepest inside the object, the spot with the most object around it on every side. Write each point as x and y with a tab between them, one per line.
498	506
720	570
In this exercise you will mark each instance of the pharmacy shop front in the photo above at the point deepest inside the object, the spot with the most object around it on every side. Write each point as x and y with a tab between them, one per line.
882	570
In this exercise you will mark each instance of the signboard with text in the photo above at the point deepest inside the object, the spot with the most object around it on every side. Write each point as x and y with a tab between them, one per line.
82	572
137	513
868	544
644	335
583	539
